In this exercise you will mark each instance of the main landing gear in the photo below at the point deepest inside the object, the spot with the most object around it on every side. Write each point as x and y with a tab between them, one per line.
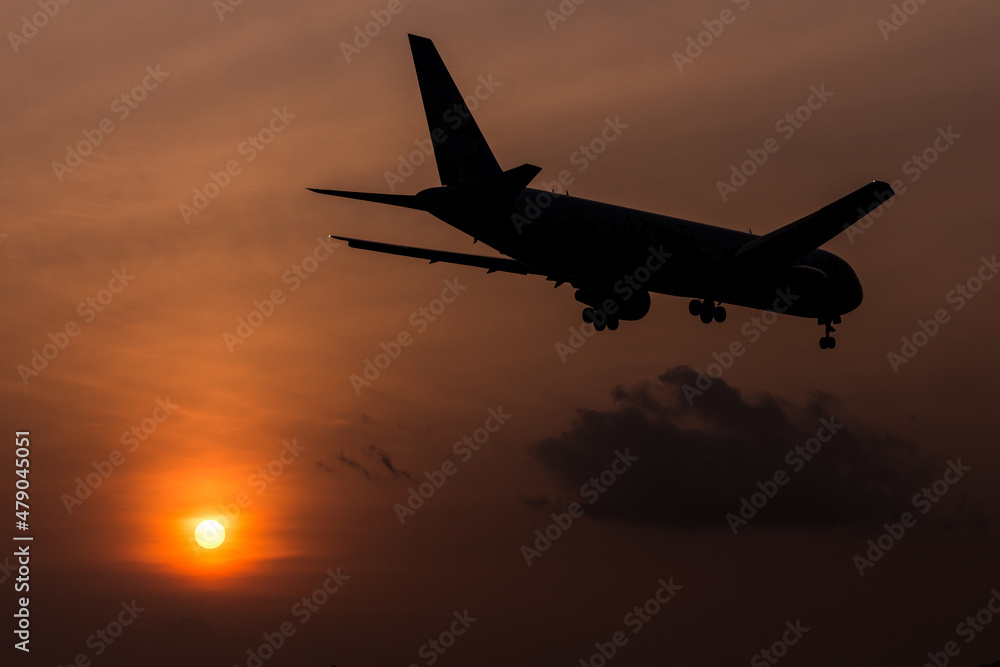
828	342
707	310
600	322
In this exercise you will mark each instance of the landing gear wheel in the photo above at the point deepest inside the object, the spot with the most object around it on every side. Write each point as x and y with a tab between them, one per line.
707	310
828	342
613	323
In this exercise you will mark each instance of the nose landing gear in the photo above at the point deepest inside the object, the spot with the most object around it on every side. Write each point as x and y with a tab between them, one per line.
828	342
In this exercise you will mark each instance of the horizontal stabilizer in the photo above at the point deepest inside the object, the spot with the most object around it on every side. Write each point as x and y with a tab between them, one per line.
789	243
406	201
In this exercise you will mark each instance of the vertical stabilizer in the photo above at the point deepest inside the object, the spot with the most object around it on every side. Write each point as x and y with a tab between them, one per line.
460	150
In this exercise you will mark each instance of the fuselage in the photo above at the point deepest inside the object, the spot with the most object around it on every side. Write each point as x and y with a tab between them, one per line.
618	249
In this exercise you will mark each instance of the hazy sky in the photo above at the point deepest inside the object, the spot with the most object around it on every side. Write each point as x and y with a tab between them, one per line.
177	319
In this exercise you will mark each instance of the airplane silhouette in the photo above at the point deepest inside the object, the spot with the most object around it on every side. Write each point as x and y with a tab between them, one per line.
616	256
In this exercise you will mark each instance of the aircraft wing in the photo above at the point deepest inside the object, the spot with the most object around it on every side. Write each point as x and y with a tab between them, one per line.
491	264
788	243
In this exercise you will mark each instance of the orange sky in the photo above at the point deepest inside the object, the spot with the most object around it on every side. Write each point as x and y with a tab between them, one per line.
167	294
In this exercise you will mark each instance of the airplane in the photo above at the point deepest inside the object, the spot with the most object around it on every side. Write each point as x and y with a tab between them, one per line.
615	257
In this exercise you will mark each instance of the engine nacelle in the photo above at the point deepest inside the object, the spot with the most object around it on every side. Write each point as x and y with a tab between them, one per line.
808	278
633	308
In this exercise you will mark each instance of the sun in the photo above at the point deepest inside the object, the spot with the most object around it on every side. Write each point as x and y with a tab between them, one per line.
209	534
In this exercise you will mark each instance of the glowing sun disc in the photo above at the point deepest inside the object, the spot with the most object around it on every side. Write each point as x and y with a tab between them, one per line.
209	534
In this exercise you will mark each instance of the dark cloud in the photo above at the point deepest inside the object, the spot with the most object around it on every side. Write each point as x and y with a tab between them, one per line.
379	455
698	458
383	457
536	502
354	464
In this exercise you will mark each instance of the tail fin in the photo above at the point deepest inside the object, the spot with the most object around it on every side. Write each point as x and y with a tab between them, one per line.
461	151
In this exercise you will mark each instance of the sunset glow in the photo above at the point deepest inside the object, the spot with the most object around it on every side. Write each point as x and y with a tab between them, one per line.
252	444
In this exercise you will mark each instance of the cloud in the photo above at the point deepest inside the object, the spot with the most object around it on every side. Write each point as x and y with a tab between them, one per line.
696	461
385	460
381	456
354	464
